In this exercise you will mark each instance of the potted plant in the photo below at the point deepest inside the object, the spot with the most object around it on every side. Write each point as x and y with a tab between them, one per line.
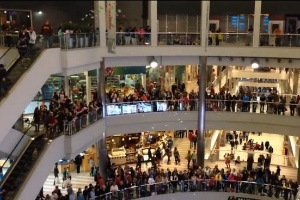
86	33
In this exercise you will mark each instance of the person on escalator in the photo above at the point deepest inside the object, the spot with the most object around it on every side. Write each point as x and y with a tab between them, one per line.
22	47
2	79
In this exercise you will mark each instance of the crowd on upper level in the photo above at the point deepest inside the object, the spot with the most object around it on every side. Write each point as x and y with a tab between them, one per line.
64	114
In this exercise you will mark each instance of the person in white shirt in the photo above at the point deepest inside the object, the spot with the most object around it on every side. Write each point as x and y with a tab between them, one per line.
31	42
54	196
114	189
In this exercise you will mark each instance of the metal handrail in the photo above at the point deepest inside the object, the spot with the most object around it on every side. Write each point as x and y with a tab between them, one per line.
5	52
235	185
8	157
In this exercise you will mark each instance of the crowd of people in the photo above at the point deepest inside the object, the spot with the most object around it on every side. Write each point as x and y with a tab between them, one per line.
65	114
126	182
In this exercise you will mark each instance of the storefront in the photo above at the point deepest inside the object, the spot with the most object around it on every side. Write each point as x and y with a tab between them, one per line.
123	149
90	152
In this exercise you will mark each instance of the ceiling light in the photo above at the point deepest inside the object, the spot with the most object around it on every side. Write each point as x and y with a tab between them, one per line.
255	64
153	62
40	12
4	11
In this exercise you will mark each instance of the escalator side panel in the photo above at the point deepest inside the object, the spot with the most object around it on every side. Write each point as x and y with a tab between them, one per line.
27	86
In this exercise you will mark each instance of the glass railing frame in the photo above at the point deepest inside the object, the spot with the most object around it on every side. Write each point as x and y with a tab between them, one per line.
207	103
71	128
198	185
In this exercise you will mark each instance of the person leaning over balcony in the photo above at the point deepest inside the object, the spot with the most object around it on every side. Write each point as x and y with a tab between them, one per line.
292	106
277	32
47	33
249	35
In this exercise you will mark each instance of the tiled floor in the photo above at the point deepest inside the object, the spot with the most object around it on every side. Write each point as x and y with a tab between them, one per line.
276	142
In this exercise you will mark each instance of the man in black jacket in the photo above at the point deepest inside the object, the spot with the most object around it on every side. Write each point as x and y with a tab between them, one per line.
78	162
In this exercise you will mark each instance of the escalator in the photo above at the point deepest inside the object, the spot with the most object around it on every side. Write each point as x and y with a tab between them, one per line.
18	173
16	67
25	78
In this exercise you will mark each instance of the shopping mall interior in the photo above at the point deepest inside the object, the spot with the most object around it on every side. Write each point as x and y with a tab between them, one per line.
205	94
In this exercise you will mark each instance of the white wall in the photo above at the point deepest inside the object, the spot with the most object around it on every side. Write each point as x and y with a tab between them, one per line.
22	93
82	59
249	74
11	140
214	121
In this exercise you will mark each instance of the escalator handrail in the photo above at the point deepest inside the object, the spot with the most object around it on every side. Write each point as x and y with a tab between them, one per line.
8	157
5	52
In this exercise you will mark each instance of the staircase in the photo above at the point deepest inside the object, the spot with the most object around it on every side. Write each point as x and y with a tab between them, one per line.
17	174
183	145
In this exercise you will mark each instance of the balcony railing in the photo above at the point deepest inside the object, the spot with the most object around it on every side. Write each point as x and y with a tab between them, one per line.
65	41
236	188
78	123
124	108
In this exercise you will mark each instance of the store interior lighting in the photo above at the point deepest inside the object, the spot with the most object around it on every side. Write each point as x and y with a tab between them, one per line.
153	62
255	64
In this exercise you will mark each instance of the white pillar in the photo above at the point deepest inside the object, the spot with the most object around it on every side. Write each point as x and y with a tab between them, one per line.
67	86
153	21
256	25
88	85
144	83
205	6
100	21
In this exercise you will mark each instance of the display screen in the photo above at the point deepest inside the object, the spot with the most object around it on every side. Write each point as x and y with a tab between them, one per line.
129	108
144	107
114	109
161	106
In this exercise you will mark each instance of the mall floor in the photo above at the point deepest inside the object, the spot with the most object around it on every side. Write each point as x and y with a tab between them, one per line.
82	179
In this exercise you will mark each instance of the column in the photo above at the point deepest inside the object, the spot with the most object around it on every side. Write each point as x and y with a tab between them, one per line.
256	25
295	81
205	6
153	21
101	94
201	111
100	21
88	85
103	158
67	86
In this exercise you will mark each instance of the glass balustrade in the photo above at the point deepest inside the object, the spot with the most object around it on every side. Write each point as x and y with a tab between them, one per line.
64	41
123	108
284	40
76	124
235	188
179	38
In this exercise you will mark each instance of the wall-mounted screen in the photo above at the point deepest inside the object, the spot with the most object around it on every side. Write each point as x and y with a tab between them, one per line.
129	108
114	109
161	106
144	107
